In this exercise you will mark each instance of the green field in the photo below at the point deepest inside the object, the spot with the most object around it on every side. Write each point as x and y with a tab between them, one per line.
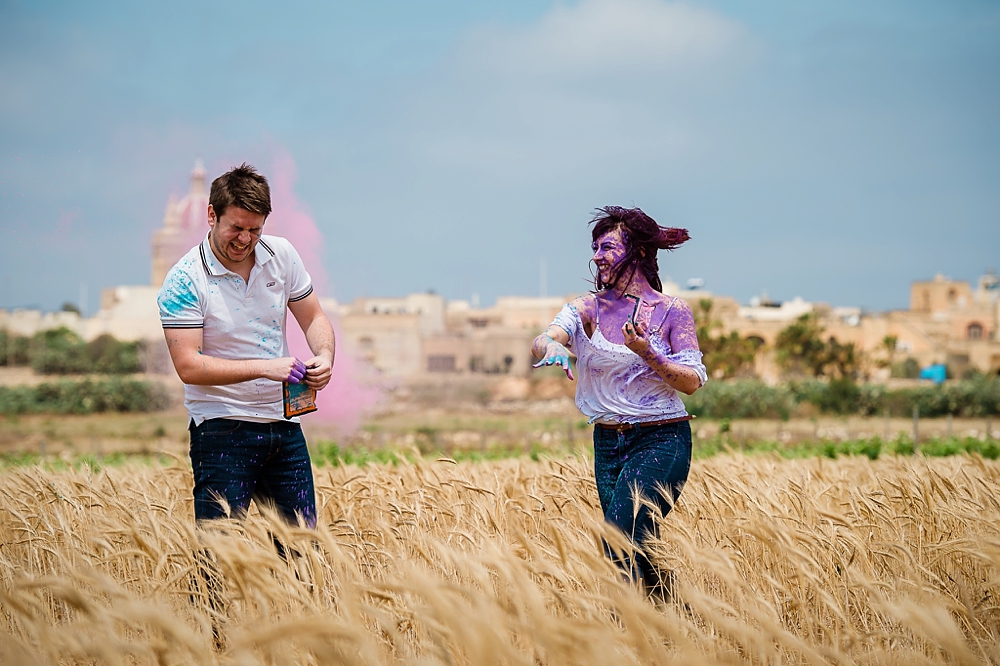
112	438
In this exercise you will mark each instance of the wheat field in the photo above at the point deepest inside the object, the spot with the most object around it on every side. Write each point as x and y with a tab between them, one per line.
894	561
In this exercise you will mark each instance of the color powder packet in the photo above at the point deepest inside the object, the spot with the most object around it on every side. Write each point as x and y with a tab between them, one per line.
297	399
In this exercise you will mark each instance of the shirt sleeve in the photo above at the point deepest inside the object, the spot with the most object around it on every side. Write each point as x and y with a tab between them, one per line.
178	302
567	320
299	281
684	339
692	359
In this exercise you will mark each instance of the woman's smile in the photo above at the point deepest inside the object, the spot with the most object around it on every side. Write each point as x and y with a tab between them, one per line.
609	250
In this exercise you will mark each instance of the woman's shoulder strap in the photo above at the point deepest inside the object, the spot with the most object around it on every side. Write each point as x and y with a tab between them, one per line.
666	313
583	304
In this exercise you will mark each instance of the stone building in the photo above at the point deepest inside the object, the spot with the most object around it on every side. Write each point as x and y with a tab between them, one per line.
421	334
948	322
185	224
952	323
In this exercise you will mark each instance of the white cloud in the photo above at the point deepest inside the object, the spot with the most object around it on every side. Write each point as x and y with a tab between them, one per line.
599	82
601	37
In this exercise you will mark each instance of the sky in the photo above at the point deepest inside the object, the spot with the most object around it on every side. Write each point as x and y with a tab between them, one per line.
835	151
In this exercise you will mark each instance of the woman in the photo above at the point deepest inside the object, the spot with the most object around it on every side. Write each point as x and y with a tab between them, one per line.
636	348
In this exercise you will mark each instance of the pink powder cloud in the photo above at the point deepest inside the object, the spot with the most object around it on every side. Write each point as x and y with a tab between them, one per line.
352	391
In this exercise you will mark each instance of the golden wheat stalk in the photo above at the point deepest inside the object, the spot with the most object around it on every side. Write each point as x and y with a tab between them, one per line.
811	561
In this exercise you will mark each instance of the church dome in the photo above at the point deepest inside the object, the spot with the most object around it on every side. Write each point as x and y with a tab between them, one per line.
185	224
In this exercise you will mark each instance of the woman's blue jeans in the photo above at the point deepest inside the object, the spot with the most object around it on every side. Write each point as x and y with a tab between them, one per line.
243	460
653	461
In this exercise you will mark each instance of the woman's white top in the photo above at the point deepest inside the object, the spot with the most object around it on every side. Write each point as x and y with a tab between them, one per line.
614	385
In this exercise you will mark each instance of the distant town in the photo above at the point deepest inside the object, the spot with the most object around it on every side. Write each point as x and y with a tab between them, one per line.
949	323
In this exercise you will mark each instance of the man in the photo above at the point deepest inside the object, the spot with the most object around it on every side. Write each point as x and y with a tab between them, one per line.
223	308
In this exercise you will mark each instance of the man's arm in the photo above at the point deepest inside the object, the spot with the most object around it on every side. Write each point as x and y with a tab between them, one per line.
320	338
196	368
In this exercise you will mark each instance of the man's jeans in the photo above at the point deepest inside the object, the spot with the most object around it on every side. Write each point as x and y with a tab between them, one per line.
653	460
243	460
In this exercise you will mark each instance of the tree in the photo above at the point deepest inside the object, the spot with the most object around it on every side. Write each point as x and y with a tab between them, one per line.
840	361
725	355
888	347
799	348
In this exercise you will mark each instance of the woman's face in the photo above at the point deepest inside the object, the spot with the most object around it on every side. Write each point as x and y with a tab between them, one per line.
609	250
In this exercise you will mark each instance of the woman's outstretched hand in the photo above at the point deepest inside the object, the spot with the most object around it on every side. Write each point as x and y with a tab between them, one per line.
556	354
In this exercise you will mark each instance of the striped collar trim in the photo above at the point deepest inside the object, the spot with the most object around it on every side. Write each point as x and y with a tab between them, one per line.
267	247
215	268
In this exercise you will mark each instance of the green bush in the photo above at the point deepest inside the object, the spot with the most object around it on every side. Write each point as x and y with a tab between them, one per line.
871	399
113	357
971	398
872	448
83	397
840	396
953	446
60	351
902	445
741	398
13	349
330	453
744	398
907	369
988	449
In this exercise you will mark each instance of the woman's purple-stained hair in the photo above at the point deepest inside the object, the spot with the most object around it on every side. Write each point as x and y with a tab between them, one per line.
642	237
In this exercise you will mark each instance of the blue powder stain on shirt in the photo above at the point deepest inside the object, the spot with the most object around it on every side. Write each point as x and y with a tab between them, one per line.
177	294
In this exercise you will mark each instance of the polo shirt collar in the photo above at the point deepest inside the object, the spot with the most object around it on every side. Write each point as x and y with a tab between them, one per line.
262	254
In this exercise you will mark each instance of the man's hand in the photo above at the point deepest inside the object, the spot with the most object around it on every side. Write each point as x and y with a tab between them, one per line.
286	369
198	369
318	371
320	338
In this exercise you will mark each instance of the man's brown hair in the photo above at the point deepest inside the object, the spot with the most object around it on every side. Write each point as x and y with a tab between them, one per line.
242	187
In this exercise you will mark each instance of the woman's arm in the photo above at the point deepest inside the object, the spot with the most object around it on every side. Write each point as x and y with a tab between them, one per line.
679	332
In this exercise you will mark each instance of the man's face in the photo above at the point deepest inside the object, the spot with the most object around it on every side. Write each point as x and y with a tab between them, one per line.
234	235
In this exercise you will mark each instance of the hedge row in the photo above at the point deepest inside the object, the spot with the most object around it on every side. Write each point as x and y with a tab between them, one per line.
60	351
748	398
84	397
872	447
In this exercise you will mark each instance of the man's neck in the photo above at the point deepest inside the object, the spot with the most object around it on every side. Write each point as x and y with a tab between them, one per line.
241	268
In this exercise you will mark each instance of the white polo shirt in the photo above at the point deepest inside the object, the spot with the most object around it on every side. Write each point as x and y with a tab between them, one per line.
240	320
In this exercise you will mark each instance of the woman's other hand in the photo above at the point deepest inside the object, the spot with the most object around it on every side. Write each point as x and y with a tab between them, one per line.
555	354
